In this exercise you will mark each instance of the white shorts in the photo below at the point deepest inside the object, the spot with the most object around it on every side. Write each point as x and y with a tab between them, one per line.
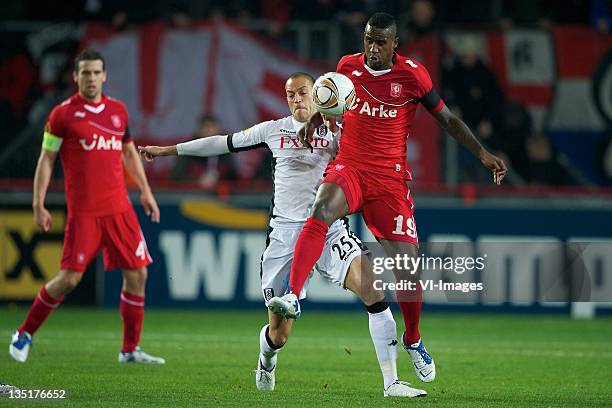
341	247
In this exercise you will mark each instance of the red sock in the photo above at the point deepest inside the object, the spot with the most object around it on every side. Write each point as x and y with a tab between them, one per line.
132	313
410	305
308	249
42	307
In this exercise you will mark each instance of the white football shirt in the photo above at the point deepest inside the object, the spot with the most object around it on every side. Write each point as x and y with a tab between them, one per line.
296	171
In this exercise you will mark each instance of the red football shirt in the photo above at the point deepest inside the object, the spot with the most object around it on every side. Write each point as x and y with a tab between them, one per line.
92	138
376	129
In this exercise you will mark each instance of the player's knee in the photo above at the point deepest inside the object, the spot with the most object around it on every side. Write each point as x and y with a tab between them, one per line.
70	281
135	278
322	211
141	275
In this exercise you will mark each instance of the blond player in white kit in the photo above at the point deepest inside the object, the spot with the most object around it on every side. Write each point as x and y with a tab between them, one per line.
297	174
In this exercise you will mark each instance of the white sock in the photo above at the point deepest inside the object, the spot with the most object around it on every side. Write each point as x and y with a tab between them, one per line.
384	336
267	353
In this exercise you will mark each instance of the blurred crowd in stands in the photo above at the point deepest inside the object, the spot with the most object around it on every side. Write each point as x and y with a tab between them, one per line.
468	85
471	90
418	16
207	172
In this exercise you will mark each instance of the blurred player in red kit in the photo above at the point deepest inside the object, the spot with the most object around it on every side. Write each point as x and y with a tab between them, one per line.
90	132
370	173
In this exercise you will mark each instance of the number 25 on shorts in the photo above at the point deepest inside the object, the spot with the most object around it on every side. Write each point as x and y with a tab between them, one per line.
410	227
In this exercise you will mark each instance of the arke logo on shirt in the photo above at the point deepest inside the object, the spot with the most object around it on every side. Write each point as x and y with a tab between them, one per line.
376	111
100	143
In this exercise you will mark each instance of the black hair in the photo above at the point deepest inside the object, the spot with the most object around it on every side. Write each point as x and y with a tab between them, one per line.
382	21
299	74
88	54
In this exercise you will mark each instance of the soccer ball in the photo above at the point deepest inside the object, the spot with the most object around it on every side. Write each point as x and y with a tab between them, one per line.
333	94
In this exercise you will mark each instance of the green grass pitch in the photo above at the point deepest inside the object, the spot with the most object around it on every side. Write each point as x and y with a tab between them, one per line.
482	360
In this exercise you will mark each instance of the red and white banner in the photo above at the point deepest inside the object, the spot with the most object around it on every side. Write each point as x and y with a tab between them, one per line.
524	63
168	77
552	73
583	94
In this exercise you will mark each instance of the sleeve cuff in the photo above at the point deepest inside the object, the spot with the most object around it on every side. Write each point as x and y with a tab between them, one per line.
438	107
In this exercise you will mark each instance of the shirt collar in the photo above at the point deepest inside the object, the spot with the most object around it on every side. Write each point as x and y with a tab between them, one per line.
382	71
296	124
79	98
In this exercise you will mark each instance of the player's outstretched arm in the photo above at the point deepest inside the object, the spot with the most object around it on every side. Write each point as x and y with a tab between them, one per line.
134	167
42	176
204	147
462	134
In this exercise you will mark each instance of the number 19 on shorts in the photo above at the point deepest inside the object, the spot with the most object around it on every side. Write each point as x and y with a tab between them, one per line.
408	229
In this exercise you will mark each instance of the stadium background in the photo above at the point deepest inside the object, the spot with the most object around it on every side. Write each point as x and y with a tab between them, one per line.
539	92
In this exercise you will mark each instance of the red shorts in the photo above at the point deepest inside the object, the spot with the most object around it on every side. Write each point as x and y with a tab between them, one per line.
119	235
384	200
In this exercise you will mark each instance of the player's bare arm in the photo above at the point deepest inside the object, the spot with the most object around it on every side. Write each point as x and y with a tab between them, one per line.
314	122
307	131
331	124
134	167
44	169
148	153
462	134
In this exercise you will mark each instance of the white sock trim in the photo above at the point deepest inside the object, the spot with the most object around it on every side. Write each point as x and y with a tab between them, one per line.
267	354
